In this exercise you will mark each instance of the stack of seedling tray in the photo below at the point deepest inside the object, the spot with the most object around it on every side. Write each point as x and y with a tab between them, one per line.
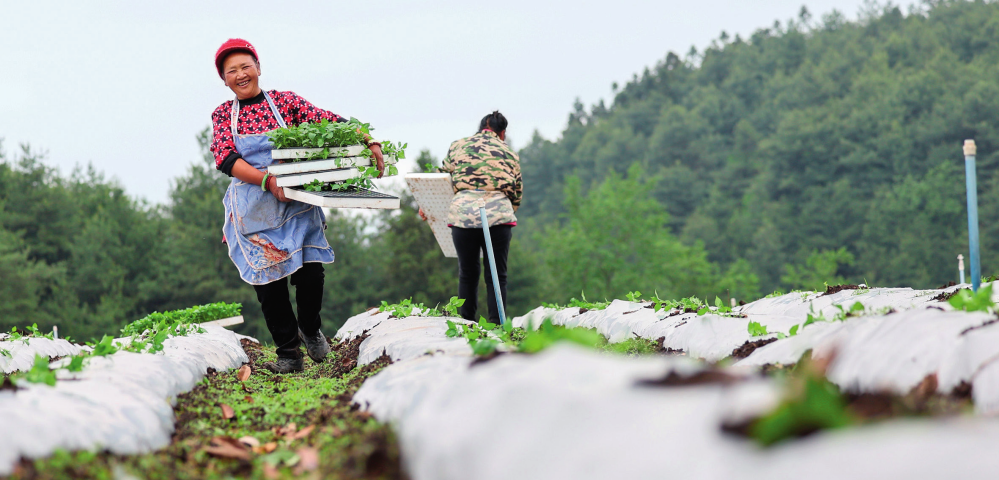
296	170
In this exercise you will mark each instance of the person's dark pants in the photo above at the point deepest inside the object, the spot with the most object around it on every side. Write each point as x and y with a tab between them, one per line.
280	317
468	242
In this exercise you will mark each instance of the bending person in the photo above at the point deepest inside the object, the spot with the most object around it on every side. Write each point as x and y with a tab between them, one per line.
271	238
484	171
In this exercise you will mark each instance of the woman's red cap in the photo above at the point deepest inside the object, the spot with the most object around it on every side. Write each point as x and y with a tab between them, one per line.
230	46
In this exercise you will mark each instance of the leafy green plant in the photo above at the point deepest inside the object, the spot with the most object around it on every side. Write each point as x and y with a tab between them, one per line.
855	310
332	135
689	304
776	293
402	309
973	302
33	331
720	308
40	372
320	134
548	334
810	403
574	302
178	321
104	347
634	296
76	363
757	329
451	309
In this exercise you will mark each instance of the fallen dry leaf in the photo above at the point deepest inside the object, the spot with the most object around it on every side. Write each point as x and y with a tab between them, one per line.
266	448
243	373
270	471
227	411
248	399
303	432
249	441
227	447
308	460
286	431
245	388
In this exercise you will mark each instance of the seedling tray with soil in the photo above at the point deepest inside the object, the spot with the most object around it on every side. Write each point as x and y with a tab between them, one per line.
289	168
327	176
353	198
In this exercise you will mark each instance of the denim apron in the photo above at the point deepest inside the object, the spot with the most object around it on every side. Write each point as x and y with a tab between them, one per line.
268	239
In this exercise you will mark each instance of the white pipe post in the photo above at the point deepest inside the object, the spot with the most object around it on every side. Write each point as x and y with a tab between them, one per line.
960	266
972	184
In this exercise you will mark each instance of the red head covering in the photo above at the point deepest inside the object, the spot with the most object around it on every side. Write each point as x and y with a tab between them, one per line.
231	46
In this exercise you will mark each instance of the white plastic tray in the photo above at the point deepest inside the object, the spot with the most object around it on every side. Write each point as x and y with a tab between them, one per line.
327	176
433	193
360	199
321	165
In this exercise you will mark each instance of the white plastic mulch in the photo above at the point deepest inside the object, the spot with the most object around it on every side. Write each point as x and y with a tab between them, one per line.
571	413
20	354
121	402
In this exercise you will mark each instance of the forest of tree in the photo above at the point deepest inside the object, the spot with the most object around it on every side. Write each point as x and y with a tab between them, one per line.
813	151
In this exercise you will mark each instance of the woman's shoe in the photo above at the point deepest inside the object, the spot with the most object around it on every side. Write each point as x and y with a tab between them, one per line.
285	365
315	345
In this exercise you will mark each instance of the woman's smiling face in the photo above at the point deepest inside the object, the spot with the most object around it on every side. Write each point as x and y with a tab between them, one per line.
241	72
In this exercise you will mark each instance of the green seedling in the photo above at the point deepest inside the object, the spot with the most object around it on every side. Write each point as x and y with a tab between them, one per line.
973	302
104	347
40	372
453	305
776	293
33	331
76	363
634	296
326	135
756	329
549	334
811	403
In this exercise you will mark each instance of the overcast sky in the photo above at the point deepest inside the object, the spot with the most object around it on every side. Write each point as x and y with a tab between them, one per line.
127	85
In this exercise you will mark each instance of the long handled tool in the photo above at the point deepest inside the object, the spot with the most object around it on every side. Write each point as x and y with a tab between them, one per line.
492	265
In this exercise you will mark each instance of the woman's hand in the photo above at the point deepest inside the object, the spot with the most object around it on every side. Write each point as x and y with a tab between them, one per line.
275	190
423	215
376	151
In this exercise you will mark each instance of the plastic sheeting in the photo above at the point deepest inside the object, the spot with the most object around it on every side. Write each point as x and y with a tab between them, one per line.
360	323
121	402
873	352
571	414
410	337
22	352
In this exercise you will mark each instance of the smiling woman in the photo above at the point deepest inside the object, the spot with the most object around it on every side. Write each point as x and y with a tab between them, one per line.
269	236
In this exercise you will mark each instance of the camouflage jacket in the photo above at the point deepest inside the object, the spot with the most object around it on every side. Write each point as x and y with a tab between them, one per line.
483	163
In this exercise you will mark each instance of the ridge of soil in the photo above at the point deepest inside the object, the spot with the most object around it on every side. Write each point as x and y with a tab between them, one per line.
750	346
944	296
831	289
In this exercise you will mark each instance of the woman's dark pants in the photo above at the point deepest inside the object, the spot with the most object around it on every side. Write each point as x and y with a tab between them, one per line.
280	317
468	242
